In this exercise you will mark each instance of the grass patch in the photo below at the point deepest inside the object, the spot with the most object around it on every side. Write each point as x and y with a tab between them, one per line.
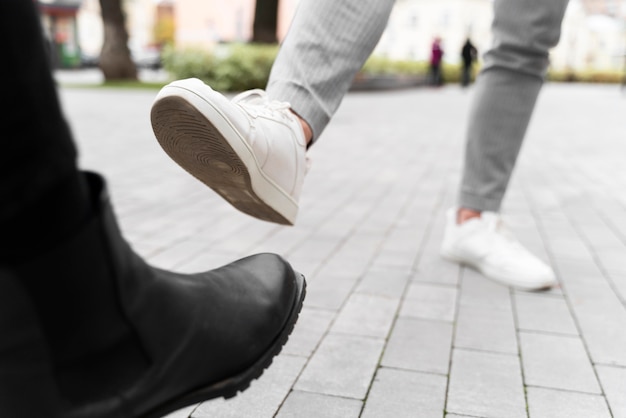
121	84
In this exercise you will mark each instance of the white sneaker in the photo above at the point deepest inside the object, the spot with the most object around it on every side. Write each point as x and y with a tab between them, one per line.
484	243
250	150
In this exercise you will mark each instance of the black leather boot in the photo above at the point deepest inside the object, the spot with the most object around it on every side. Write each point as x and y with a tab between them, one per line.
132	340
27	386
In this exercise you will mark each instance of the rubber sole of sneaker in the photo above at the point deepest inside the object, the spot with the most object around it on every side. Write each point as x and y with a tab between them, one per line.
231	387
492	275
215	154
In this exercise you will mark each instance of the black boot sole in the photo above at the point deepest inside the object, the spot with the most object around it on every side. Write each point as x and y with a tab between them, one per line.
230	387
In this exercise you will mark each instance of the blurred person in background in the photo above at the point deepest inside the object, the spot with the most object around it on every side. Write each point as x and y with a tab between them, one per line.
436	56
469	55
252	149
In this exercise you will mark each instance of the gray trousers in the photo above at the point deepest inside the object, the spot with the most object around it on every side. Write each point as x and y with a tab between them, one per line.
329	41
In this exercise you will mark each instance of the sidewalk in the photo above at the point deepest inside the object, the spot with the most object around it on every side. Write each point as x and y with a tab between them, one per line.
389	329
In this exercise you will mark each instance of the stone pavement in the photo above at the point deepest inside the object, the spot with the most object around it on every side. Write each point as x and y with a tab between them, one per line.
389	329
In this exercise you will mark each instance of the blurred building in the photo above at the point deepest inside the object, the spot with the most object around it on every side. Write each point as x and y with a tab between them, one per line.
205	23
414	23
593	36
149	23
593	32
614	8
60	29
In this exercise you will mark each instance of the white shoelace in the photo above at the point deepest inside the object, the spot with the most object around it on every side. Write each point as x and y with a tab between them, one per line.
255	102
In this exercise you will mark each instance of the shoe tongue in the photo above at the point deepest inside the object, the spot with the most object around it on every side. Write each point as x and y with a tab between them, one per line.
256	96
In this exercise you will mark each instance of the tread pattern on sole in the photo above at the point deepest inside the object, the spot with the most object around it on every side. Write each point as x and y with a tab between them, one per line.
199	148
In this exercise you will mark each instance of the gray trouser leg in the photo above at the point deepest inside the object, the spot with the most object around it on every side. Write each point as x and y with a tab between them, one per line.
506	91
326	46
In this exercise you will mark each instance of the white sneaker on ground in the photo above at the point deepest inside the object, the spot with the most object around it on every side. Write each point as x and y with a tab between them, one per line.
484	244
250	150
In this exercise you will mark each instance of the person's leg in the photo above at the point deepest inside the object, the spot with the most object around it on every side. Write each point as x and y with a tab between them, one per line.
327	44
439	75
432	79
251	150
88	329
465	75
38	156
42	197
505	94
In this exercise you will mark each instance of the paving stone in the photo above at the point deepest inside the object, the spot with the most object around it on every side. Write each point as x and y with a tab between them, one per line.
611	257
418	344
618	278
250	234
394	259
558	362
366	315
613	381
178	254
437	270
207	261
485	319
282	240
548	403
477	290
343	365
387	282
183	412
543	313
264	395
578	272
380	215
602	320
362	245
399	393
329	291
612	212
336	267
568	248
432	268
316	248
430	302
313	405
489	328
311	326
486	385
461	416
402	238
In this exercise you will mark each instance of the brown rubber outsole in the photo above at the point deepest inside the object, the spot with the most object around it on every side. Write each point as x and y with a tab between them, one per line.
196	145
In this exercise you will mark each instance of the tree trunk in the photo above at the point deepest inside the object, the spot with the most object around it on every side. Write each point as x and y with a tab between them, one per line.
115	59
265	22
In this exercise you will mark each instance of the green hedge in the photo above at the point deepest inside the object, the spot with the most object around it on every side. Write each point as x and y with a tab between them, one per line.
451	73
227	68
589	76
383	66
239	67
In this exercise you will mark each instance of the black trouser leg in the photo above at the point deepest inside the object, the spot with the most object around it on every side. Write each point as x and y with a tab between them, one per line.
44	202
37	154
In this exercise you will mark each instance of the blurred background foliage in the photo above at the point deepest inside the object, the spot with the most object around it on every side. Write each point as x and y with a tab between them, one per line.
239	67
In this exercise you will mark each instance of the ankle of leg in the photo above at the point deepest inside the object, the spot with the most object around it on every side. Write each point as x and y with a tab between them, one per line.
465	214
